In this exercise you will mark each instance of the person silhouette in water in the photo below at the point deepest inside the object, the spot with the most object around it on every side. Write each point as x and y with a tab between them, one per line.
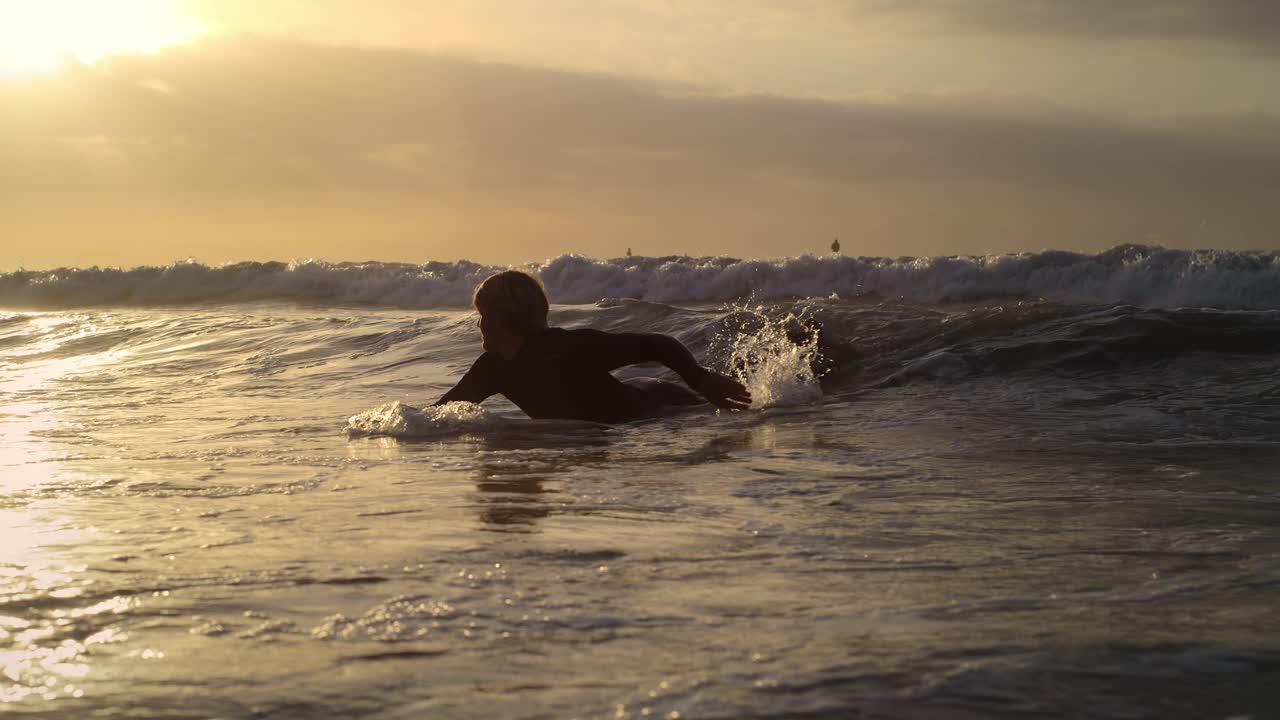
557	373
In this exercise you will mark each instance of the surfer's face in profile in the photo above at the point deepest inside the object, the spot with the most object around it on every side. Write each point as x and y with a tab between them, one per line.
512	306
488	333
496	337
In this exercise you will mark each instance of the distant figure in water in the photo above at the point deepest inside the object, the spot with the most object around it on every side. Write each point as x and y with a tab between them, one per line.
628	252
835	245
558	373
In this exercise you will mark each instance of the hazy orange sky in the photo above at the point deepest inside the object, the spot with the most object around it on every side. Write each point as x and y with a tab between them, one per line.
502	131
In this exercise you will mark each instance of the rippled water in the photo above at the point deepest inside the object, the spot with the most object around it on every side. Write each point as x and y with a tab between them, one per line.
983	511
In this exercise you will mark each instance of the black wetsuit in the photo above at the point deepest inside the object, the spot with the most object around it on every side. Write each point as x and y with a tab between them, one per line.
562	373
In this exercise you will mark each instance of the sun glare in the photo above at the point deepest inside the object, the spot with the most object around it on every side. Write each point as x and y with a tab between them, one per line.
39	36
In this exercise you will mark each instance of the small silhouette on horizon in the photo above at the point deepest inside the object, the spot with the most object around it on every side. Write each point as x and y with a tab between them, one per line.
628	252
835	245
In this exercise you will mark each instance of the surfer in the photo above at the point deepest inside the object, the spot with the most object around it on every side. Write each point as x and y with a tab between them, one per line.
835	246
557	373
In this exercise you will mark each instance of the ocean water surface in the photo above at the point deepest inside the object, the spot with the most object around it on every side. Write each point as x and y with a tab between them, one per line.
1043	485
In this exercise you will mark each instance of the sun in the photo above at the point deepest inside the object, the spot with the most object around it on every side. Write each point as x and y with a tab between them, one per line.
39	36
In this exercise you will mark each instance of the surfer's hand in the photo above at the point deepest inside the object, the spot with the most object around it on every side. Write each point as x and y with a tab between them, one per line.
723	391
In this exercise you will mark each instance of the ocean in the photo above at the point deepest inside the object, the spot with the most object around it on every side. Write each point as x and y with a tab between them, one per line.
1035	485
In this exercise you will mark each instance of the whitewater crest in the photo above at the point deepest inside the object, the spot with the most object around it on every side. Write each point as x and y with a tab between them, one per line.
1128	274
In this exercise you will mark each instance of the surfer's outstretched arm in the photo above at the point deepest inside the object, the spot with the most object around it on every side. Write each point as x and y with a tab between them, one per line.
480	382
614	350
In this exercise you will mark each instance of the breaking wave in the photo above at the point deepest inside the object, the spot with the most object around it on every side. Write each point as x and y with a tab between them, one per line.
1128	274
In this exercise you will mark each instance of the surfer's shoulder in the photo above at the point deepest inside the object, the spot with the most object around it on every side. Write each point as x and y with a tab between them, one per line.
559	337
488	361
576	333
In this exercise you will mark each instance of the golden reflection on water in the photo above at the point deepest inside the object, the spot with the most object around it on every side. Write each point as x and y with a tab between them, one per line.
374	448
384	448
25	460
27	416
36	657
41	651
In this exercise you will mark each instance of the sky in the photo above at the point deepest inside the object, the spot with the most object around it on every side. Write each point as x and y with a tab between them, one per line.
506	131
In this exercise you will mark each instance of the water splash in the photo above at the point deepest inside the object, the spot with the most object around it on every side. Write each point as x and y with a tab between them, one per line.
399	420
772	356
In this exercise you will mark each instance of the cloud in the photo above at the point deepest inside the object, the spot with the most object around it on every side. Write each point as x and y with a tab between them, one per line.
1253	25
253	114
253	148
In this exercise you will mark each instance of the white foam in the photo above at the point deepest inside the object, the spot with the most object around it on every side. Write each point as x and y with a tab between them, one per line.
399	420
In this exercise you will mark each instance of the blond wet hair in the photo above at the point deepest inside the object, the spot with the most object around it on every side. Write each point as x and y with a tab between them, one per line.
515	299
